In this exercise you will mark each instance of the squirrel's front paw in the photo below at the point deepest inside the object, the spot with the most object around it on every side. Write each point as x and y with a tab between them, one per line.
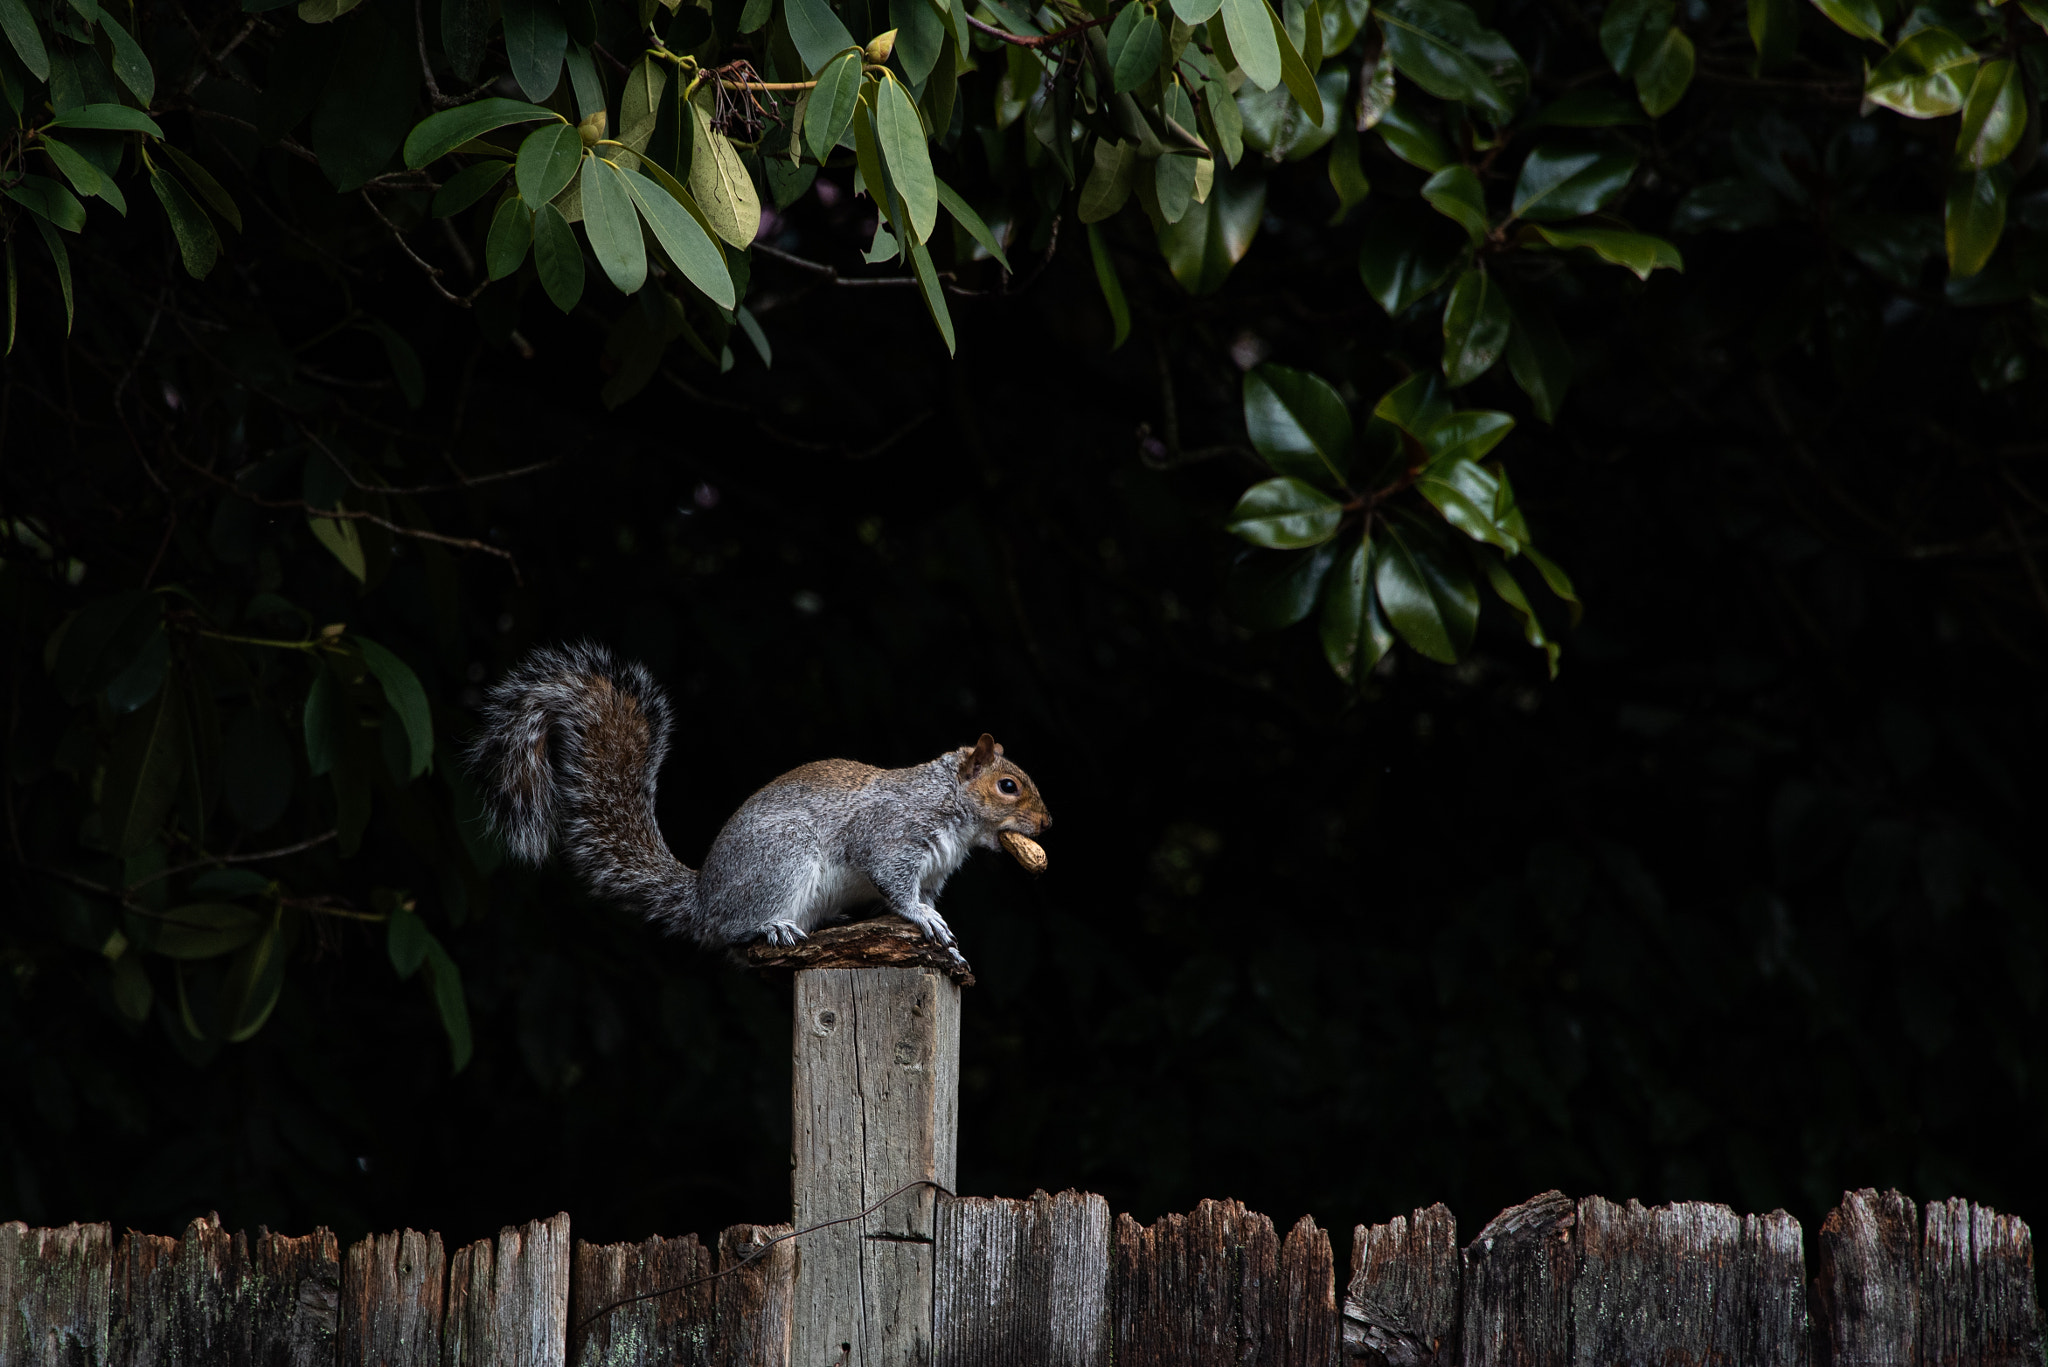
928	920
783	934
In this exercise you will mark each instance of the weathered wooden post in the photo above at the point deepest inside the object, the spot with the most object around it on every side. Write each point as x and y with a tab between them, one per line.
876	1106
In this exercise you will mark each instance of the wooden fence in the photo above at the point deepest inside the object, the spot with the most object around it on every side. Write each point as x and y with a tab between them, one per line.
887	1272
1052	1281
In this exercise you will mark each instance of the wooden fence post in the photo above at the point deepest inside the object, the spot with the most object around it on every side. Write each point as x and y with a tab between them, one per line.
876	1095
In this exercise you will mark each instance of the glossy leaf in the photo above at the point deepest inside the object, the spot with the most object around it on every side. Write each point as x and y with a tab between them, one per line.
1502	581
206	930
1639	252
688	245
1417	405
1403	259
511	234
1295	71
1994	116
1375	91
1562	182
439	134
1285	514
1354	633
1859	18
1454	192
1414	140
1538	357
1630	30
1464	492
1112	288
1427	593
536	40
548	161
1299	424
402	690
1442	47
1248	24
1587	107
1555	579
816	32
1468	434
1664	75
343	542
900	132
1975	217
1213	236
1347	171
831	104
1270	590
1475	328
557	258
1925	76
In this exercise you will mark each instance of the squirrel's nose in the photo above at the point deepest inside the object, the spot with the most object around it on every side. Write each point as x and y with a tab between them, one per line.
1045	823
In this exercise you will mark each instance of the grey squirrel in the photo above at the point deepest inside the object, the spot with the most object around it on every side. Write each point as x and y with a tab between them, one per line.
571	747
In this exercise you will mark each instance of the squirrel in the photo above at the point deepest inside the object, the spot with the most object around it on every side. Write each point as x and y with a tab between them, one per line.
571	746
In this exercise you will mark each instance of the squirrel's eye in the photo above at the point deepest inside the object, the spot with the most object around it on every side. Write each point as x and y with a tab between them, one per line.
1006	786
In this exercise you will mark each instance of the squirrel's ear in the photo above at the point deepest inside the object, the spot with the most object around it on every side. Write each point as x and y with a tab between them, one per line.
984	754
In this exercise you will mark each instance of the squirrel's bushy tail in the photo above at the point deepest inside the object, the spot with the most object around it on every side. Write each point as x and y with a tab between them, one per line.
572	744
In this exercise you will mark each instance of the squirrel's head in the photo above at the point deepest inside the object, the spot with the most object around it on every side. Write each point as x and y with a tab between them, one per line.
1003	794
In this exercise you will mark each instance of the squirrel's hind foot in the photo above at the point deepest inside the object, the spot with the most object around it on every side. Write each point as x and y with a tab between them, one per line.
783	934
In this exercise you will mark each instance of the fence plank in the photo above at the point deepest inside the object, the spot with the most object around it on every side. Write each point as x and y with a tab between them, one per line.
757	1302
528	1297
392	1292
1867	1283
1022	1283
1195	1290
54	1294
1774	1290
1516	1308
294	1300
1401	1304
674	1327
1977	1304
179	1300
1309	1333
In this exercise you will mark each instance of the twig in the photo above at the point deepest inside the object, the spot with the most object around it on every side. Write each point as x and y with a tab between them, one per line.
220	859
433	272
1042	40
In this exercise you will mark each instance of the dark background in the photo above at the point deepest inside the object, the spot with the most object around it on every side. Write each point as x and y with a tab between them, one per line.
1741	907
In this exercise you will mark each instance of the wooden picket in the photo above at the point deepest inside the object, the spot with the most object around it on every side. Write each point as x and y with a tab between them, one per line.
1055	1281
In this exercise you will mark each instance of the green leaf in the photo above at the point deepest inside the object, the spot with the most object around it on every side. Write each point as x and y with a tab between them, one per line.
831	104
1347	171
557	258
1560	182
439	134
1630	31
548	160
1975	217
465	29
1774	31
1248	25
1454	192
1112	288
920	37
198	243
1192	12
85	178
1509	592
467	186
402	690
640	109
688	245
49	200
132	992
130	62
1994	116
1213	236
1403	259
1639	252
1465	492
934	291
1475	327
816	32
445	983
1465	435
613	226
583	82
118	118
1414	140
1662	78
254	982
209	189
536	40
406	939
1285	514
1376	91
1294	71
1416	405
1924	77
1355	635
1442	47
511	234
1135	44
721	186
1299	424
1860	18
901	134
1428	596
1538	357
1269	590
343	541
1555	579
1587	107
206	930
964	214
27	42
145	769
